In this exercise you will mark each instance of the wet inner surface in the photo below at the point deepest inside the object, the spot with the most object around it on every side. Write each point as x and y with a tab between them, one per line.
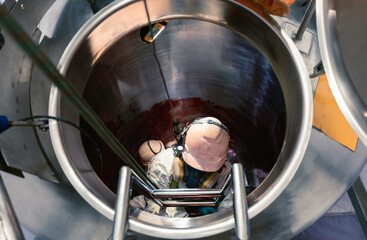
210	71
255	145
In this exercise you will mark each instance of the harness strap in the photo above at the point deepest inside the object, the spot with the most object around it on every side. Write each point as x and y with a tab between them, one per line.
181	173
181	164
212	179
209	121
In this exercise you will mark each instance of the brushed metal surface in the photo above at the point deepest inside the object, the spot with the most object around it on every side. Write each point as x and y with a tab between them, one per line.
121	219
242	223
346	74
326	172
352	37
19	146
210	71
58	26
54	211
9	224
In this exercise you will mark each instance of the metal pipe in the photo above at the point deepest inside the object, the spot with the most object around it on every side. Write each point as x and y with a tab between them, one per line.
88	114
121	219
242	224
189	204
178	193
358	196
187	193
9	224
306	19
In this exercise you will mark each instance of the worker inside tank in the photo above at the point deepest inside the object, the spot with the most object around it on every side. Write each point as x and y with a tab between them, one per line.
149	149
200	161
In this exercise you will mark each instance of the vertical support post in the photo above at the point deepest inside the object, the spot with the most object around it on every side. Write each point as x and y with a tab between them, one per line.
242	224
9	224
120	222
358	196
306	19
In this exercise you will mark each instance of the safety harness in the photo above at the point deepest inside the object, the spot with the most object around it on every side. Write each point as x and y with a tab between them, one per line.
192	177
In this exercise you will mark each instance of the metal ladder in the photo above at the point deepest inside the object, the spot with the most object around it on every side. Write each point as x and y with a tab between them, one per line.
127	178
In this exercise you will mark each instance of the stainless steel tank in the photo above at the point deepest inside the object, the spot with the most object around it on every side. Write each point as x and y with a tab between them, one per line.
342	40
219	58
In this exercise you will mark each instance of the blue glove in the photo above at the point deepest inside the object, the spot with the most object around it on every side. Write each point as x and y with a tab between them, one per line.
207	210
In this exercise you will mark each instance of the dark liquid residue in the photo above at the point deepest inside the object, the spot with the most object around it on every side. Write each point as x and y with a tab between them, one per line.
256	144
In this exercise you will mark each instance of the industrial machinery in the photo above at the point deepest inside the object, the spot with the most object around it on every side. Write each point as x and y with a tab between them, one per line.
222	58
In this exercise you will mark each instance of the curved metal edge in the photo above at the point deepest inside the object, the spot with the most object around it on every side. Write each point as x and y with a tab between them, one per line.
170	233
65	164
335	69
108	212
75	42
55	96
150	230
304	138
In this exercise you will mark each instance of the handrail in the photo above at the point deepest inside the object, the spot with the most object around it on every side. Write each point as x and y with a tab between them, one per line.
120	221
142	188
128	178
242	223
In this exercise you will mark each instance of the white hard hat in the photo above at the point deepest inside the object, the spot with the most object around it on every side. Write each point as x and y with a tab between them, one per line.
149	149
206	144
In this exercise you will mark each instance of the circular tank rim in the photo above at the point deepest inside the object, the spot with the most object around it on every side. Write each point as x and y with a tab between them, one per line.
339	80
281	183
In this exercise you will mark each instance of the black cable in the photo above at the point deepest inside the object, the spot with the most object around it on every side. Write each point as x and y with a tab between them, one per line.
73	125
158	63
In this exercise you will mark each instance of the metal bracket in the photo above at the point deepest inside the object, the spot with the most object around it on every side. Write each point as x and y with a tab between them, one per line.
302	38
318	70
159	195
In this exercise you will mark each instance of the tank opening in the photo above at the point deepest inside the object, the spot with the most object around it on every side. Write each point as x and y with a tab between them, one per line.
211	71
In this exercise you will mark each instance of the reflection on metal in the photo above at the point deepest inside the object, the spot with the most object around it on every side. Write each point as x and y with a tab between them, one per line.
304	45
58	26
9	225
342	37
190	203
85	111
9	4
120	222
306	19
196	195
284	216
182	193
358	195
224	72
302	37
15	80
242	222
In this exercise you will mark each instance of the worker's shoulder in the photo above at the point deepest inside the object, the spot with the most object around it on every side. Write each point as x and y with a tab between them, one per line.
164	158
167	153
